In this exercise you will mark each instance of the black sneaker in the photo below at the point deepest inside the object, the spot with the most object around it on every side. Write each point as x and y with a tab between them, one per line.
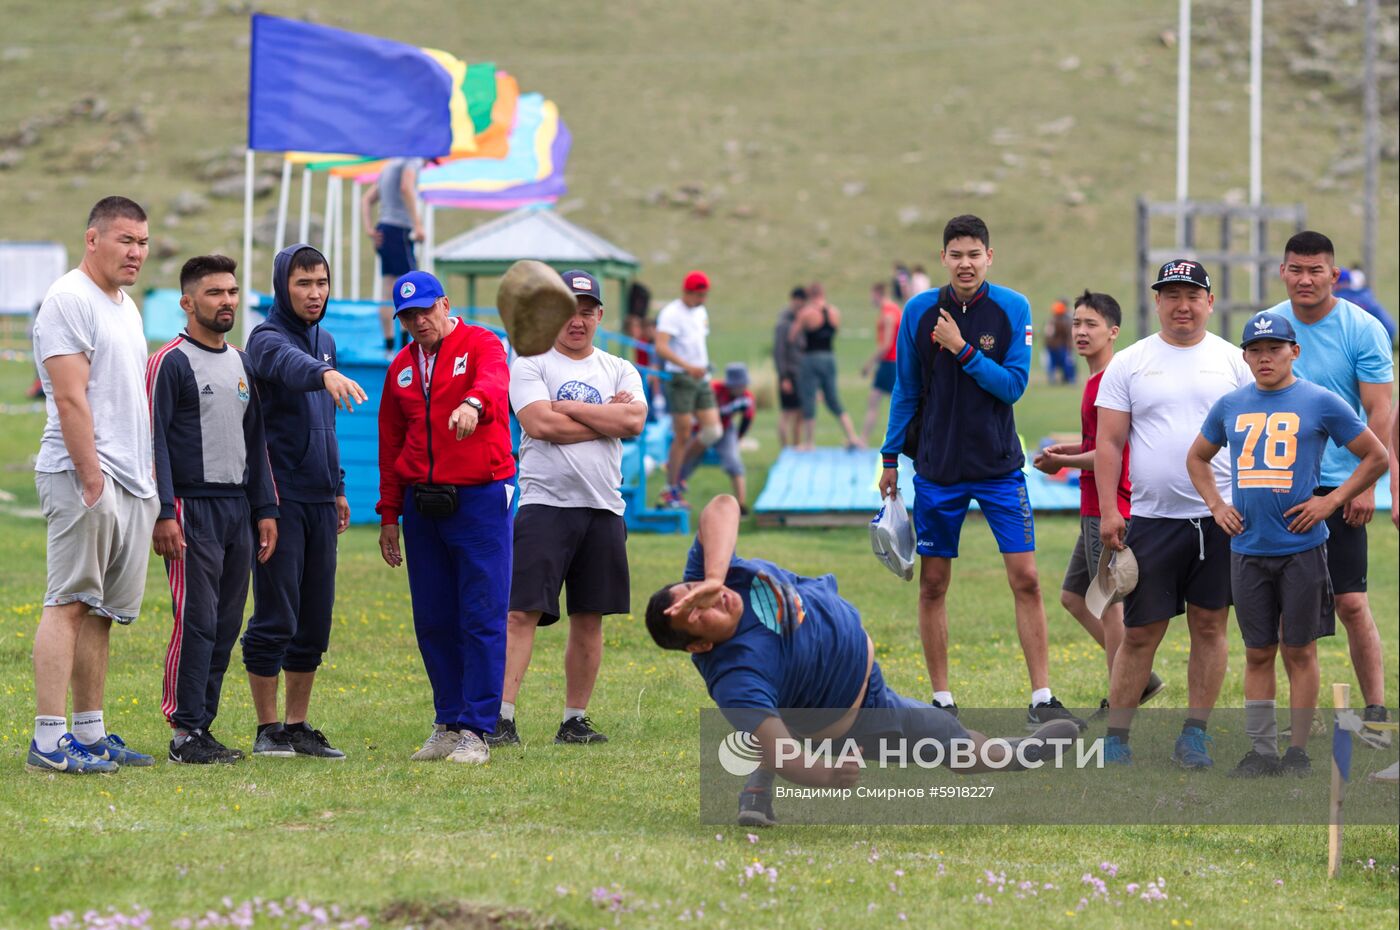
506	734
273	743
235	753
1295	762
308	742
1155	684
1039	714
756	807
578	730
950	708
1256	765
1376	739
198	749
1101	713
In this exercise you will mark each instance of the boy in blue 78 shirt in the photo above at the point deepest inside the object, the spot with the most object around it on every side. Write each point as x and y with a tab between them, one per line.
1277	430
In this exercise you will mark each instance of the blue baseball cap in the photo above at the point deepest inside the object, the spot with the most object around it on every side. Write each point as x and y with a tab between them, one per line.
415	291
1266	325
583	284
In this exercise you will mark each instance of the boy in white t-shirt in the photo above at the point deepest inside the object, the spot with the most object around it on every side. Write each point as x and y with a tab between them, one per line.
1154	396
575	403
682	331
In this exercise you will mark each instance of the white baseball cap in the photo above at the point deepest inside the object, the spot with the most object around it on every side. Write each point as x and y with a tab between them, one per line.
1116	579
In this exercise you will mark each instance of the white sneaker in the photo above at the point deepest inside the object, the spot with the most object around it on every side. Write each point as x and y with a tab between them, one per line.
439	745
471	750
1389	775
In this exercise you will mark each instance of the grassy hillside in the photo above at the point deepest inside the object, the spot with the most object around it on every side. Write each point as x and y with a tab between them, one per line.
763	145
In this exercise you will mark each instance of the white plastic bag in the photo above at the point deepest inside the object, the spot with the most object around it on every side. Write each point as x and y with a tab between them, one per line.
892	537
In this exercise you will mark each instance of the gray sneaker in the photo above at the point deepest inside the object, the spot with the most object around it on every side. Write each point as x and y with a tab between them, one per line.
439	744
471	749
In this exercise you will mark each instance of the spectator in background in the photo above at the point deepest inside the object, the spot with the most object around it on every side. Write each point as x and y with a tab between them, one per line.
682	334
398	228
1057	338
787	363
444	466
1351	285
899	283
882	362
736	409
818	321
919	281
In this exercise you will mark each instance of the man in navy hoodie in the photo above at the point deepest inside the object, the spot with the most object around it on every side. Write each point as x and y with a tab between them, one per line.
963	355
299	388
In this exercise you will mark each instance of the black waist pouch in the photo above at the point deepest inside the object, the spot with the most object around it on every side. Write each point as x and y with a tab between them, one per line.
435	500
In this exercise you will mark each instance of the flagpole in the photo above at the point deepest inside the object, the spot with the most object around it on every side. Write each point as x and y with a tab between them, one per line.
328	217
354	240
1341	700
284	194
339	244
430	238
247	241
304	221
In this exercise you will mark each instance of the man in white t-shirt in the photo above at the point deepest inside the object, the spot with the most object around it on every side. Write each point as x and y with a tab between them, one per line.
575	403
96	487
682	331
1154	396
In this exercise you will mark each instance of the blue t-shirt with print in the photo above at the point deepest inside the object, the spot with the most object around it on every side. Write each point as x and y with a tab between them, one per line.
1346	346
799	644
1277	440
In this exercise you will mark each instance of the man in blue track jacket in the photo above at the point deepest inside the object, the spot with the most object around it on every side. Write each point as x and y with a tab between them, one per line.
962	359
293	593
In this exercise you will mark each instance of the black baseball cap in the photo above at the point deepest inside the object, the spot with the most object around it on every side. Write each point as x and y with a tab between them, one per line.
1182	271
583	283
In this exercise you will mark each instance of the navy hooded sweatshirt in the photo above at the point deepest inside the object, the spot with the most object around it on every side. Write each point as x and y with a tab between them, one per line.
290	359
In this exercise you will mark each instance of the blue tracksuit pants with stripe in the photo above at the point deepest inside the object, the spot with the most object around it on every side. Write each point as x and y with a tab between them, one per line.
459	579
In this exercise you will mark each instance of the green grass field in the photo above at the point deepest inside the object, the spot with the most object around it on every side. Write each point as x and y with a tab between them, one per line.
610	835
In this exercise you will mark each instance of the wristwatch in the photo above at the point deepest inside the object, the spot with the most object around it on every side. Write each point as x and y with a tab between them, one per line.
473	403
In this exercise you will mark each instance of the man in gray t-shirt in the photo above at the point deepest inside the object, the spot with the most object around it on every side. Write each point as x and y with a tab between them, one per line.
95	484
398	228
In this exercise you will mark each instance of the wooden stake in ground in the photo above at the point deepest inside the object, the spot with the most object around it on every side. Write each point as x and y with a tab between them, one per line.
1341	699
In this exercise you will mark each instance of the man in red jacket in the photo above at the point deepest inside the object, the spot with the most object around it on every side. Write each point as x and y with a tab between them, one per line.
444	461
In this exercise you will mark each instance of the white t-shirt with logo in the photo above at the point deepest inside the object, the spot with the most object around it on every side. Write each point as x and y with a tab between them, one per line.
78	317
689	328
1168	390
576	474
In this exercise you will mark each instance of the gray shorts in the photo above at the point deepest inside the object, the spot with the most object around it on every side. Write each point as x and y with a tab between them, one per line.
1289	591
98	554
1084	560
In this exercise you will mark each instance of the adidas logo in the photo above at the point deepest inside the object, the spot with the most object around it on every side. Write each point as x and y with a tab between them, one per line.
207	391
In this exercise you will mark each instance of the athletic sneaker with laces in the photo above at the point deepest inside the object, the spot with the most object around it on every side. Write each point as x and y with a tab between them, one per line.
273	743
1155	686
1037	748
199	748
1116	752
114	749
950	708
578	730
1190	751
70	758
313	743
1256	765
438	745
1376	739
506	734
471	749
1295	762
235	753
1041	714
756	808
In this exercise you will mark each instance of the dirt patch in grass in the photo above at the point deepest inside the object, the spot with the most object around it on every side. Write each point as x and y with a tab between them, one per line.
464	915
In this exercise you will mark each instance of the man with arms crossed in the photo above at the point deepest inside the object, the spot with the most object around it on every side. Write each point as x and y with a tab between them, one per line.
1154	395
1347	351
1277	429
766	639
963	356
1097	318
294	590
575	404
96	489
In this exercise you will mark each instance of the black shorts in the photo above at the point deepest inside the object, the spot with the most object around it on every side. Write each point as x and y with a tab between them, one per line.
789	400
1347	552
1288	591
1180	562
396	251
583	548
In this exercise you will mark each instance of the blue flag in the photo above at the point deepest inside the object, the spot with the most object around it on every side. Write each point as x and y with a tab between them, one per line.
317	89
1341	750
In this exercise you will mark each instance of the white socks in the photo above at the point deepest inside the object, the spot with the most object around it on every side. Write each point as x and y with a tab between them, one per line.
571	712
87	727
47	731
507	710
943	697
1041	696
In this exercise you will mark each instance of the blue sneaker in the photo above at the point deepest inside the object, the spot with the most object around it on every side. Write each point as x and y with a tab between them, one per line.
1117	752
70	758
112	748
1190	751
